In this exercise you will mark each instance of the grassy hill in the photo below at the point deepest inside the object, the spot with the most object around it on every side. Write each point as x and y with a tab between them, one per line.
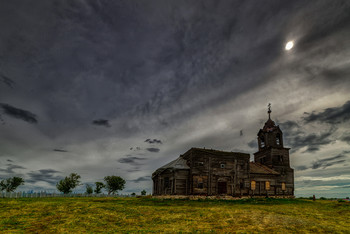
155	215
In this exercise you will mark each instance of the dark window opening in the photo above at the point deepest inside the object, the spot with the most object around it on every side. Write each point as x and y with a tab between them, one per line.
278	139
263	160
262	141
166	182
200	185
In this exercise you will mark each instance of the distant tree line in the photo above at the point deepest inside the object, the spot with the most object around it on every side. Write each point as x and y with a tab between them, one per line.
112	184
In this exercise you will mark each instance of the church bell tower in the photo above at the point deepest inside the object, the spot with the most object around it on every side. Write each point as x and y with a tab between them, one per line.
271	151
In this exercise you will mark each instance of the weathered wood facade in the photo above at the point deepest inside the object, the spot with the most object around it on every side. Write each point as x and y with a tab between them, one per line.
212	172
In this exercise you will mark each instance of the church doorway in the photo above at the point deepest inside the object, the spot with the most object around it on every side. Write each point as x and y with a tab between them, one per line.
222	187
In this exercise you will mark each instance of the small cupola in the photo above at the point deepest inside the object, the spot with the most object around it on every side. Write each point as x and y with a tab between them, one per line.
270	134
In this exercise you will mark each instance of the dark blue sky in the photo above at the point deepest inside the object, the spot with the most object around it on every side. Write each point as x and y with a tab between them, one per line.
122	87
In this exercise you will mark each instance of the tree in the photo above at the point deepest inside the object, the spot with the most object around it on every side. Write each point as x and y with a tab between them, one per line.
114	183
10	184
99	187
67	184
89	189
143	192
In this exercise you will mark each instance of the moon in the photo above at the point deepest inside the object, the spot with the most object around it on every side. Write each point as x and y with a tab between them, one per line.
289	45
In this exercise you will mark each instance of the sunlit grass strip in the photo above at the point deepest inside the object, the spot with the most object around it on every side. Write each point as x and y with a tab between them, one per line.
154	215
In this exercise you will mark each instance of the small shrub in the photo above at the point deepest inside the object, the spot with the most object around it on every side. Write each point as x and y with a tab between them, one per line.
89	189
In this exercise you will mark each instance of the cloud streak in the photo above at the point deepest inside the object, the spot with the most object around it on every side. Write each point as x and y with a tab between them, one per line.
153	150
19	113
101	122
154	141
131	160
334	115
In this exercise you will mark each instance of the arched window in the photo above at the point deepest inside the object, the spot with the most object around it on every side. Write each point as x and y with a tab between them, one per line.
262	141
278	139
252	185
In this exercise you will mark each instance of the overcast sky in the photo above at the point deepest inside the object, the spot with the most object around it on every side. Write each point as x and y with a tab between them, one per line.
103	87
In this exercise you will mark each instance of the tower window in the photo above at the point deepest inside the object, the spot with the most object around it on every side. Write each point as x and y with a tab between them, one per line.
262	141
267	185
283	186
278	139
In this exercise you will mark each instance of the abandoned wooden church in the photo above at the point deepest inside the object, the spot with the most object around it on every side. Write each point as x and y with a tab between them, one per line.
213	172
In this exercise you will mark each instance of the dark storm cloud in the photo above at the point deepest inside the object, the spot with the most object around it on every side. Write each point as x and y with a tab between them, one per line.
46	175
141	179
60	150
10	83
301	168
322	27
253	144
296	138
153	150
131	160
9	160
290	126
101	122
326	162
334	115
312	141
346	138
10	168
154	141
19	113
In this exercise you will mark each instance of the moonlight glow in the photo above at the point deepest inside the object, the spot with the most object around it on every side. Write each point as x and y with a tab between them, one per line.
289	45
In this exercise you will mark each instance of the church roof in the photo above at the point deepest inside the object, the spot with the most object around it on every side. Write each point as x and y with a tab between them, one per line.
258	168
218	152
178	163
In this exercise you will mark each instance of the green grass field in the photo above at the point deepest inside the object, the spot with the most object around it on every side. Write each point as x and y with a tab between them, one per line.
154	215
